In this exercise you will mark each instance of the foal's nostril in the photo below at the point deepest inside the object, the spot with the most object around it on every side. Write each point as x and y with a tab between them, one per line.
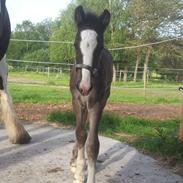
83	90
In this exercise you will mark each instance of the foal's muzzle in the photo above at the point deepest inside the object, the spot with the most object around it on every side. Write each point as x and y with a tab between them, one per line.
83	91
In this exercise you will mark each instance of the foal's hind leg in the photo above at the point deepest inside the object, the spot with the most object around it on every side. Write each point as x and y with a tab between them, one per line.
79	151
16	132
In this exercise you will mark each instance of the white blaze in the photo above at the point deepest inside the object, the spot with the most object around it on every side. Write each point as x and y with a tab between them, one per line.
87	45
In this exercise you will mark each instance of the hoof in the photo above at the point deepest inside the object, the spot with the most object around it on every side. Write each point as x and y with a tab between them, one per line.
77	181
73	166
20	137
79	178
73	169
23	139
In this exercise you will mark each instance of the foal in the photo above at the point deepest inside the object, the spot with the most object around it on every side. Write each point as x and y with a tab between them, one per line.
16	131
90	85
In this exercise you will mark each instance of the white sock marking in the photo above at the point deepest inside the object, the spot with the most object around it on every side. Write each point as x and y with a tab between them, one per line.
91	172
80	168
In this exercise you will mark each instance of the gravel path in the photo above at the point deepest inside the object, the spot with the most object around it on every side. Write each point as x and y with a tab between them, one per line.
46	160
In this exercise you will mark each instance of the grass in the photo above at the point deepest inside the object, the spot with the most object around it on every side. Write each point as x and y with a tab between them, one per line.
138	96
53	94
63	80
30	77
158	92
39	94
151	136
151	84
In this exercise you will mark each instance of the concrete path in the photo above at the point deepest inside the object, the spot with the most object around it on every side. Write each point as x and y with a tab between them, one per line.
46	160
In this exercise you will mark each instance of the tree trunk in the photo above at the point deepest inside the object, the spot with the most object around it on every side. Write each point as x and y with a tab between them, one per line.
146	64
114	73
125	76
137	65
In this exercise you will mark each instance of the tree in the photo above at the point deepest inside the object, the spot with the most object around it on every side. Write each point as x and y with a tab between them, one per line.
28	31
133	22
148	20
137	64
63	30
171	57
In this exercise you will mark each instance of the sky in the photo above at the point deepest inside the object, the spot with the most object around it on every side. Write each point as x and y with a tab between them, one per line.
34	10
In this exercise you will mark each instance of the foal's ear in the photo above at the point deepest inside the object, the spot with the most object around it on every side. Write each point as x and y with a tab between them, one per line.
79	15
105	19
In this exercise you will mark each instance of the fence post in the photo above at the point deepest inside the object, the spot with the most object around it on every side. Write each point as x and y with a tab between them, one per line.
147	76
60	72
114	74
120	73
181	117
48	72
26	68
145	84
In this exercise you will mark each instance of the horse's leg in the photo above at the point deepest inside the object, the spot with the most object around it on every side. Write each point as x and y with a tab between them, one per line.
92	144
81	135
75	148
16	132
74	158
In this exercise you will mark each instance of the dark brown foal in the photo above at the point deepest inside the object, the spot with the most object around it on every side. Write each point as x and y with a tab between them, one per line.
90	85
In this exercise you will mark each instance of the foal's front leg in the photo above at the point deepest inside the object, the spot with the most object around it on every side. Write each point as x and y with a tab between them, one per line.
79	148
92	144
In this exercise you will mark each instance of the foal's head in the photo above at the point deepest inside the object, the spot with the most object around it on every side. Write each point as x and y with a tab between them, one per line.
89	43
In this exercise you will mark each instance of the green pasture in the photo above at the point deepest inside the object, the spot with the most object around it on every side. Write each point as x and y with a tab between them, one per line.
56	79
53	94
31	87
63	80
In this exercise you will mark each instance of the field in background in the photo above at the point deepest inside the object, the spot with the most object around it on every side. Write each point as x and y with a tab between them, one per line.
27	87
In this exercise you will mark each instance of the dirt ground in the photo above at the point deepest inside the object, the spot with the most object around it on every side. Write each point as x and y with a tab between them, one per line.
37	112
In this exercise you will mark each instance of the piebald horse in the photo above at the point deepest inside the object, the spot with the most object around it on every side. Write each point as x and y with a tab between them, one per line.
16	132
90	85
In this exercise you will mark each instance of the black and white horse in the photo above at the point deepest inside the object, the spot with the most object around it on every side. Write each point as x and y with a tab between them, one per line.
90	85
16	132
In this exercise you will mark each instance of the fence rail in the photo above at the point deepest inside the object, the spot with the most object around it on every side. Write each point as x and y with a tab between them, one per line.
120	74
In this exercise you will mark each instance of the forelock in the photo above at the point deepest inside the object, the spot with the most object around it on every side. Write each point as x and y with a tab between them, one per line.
91	22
